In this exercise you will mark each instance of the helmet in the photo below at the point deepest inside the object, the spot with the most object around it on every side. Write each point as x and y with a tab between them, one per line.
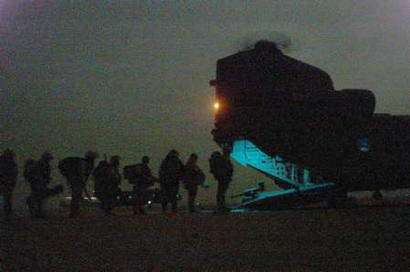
173	153
145	159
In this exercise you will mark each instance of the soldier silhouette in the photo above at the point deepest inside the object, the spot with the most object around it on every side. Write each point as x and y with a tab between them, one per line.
193	177
170	173
102	181
222	169
112	188
8	178
77	170
143	179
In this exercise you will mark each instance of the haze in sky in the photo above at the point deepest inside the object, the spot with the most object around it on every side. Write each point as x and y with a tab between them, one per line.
131	77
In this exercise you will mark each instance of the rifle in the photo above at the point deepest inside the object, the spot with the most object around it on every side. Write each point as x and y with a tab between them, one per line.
251	192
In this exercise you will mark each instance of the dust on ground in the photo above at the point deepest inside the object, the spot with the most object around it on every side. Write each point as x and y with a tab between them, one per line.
361	239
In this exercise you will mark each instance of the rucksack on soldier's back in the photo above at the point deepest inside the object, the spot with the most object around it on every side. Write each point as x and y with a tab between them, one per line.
70	166
131	172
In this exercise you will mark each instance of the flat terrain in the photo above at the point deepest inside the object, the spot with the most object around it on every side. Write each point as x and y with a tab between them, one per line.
359	239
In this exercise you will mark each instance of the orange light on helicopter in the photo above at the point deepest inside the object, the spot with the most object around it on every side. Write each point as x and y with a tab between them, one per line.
216	106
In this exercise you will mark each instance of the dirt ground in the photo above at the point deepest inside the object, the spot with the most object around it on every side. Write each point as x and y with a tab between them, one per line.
356	239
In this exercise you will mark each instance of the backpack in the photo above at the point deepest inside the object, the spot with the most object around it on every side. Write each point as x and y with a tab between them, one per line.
193	175
220	167
101	170
214	161
132	172
70	166
171	168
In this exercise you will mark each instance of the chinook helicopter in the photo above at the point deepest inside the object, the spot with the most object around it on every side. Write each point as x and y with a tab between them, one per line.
284	118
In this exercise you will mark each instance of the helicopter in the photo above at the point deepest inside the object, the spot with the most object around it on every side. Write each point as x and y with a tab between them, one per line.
284	118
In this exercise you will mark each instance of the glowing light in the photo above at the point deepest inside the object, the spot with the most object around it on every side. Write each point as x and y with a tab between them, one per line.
216	105
363	144
149	202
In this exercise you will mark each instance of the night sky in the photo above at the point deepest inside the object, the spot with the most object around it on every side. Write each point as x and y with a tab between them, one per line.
131	77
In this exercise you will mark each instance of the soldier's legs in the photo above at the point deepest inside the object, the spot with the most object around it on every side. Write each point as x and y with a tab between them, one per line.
76	195
103	202
220	196
40	196
40	206
164	206
7	197
34	202
142	200
192	192
139	200
173	196
30	204
6	190
106	205
135	200
34	205
110	203
164	197
164	201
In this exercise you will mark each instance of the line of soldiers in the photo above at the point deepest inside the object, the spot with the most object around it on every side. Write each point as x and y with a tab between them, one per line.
107	179
36	173
172	171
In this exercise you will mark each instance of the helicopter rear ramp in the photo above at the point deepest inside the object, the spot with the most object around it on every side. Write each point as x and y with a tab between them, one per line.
299	186
285	199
